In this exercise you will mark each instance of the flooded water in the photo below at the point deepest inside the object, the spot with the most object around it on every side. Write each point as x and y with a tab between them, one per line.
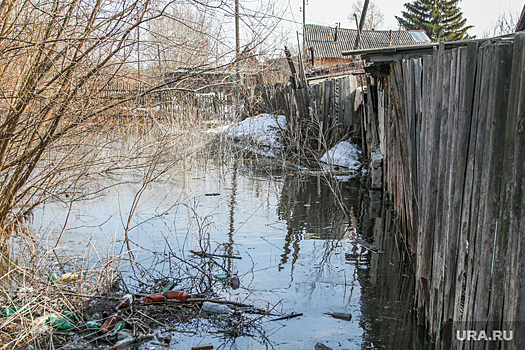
296	237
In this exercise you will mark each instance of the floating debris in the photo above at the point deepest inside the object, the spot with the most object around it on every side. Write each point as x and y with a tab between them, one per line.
216	308
202	347
287	317
368	246
210	255
321	346
235	282
340	315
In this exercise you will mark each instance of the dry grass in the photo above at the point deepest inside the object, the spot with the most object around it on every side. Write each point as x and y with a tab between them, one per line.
146	148
43	283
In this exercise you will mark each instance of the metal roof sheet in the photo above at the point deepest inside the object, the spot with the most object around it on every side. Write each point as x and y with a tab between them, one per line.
330	42
386	54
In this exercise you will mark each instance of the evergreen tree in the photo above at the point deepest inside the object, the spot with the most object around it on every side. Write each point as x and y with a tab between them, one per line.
442	20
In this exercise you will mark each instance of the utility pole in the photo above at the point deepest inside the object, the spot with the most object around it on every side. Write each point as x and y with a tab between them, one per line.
237	40
304	23
361	24
237	54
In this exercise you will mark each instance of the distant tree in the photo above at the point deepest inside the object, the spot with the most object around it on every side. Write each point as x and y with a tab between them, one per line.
442	20
374	17
505	24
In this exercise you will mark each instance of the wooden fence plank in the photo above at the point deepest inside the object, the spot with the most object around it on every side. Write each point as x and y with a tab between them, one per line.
453	181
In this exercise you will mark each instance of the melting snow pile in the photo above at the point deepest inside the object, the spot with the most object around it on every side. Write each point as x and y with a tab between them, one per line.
345	155
260	134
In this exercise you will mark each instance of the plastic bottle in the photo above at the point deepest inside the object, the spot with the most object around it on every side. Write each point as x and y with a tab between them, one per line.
117	328
125	302
168	286
109	323
173	294
152	298
53	277
235	282
59	323
68	277
72	317
93	325
125	339
8	311
216	308
340	315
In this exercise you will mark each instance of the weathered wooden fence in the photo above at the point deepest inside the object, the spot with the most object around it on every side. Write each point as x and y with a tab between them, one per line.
451	126
320	114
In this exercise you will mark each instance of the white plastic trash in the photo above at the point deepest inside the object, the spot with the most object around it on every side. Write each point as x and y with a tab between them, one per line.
216	308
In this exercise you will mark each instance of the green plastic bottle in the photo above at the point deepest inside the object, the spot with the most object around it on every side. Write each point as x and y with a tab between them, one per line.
60	323
93	325
168	287
8	311
118	327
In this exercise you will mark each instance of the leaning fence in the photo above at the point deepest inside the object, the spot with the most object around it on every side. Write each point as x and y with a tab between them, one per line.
451	127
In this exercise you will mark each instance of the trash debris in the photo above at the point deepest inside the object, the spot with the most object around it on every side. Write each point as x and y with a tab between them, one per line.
40	323
235	282
60	323
93	325
125	302
110	322
216	308
25	290
124	338
117	328
345	154
212	194
8	311
101	318
163	339
340	315
202	347
68	277
327	173
287	317
169	286
209	255
53	277
368	246
152	298
321	346
173	294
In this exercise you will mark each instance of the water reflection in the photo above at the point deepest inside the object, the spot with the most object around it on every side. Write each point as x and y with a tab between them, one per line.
296	236
231	231
312	211
387	283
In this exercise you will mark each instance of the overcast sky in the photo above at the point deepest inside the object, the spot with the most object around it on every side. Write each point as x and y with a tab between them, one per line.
480	13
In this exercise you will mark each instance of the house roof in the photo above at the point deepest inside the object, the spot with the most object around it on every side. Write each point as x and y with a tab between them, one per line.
388	54
330	42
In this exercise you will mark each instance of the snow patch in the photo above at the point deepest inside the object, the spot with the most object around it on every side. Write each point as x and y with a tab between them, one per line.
344	155
262	130
260	134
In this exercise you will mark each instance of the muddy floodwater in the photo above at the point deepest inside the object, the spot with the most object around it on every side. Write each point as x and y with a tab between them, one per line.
300	251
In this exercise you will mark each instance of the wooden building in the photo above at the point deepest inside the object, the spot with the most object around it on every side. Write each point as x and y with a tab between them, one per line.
324	45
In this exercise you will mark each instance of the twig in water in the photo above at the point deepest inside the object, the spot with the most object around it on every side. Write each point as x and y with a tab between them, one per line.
287	317
209	255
